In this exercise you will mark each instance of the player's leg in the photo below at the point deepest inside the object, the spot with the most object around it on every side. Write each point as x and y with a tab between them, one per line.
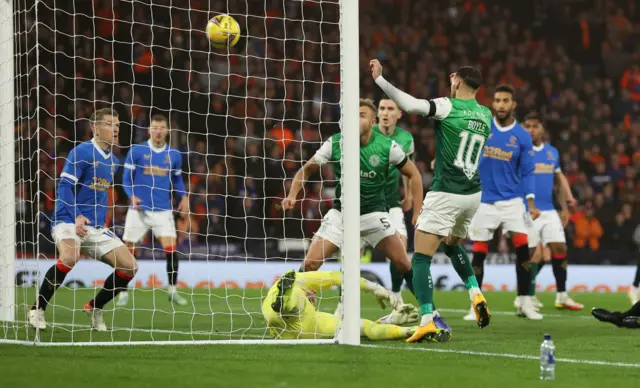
634	290
396	217
464	207
164	229
535	252
113	252
559	264
517	223
553	237
380	332
135	229
435	223
325	243
68	245
629	319
483	225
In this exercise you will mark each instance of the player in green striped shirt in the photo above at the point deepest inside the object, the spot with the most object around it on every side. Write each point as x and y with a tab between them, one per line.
462	128
388	116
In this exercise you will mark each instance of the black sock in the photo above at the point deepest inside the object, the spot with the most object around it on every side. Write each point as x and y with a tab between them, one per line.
523	270
559	265
478	266
408	277
52	280
172	267
540	265
636	281
113	285
396	277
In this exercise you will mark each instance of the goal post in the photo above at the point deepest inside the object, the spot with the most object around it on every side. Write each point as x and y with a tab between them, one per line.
243	119
7	171
350	68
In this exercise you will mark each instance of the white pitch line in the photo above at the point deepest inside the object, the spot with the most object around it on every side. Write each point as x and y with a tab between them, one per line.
505	355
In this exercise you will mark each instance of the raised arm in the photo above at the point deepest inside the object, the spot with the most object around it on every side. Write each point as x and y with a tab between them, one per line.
438	108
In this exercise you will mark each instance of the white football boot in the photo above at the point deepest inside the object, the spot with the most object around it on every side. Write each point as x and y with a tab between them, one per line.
36	319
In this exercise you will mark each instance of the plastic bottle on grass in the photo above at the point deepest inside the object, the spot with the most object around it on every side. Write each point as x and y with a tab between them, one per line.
547	359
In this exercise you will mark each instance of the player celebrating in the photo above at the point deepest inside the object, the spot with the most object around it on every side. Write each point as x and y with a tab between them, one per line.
79	221
388	116
290	310
506	170
548	228
153	170
461	130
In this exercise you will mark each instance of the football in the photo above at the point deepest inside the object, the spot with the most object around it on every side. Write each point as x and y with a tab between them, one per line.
223	31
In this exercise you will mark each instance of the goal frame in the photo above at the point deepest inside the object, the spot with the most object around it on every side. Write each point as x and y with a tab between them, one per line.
348	334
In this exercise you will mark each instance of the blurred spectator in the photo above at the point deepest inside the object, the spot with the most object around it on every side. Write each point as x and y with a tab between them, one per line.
588	229
245	120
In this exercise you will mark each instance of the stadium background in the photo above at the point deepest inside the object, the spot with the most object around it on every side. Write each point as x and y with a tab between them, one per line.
243	137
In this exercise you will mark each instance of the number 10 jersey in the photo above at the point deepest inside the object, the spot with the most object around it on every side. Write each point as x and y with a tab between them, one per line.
462	129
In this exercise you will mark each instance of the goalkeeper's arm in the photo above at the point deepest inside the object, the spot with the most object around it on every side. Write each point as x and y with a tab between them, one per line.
323	280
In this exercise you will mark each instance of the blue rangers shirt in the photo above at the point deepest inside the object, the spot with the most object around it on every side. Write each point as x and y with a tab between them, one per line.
151	174
506	165
84	185
546	159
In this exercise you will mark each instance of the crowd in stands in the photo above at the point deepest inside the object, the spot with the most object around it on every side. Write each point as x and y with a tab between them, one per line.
246	119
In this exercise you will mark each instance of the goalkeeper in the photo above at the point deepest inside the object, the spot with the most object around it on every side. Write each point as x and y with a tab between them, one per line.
290	311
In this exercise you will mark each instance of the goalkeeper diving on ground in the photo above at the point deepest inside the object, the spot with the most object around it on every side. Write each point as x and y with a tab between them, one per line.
290	310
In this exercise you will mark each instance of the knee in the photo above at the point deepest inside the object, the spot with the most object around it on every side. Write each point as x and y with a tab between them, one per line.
403	266
66	262
558	249
311	264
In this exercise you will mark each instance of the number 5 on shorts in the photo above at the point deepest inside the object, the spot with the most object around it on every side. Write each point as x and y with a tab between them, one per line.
385	223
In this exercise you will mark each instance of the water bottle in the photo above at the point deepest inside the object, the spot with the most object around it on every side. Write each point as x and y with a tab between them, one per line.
547	359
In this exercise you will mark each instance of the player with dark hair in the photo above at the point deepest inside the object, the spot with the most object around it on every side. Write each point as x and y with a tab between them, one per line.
152	174
388	116
462	128
506	170
629	319
79	221
548	228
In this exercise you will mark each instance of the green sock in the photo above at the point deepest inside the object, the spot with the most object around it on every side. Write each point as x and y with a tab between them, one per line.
422	282
461	264
534	272
396	278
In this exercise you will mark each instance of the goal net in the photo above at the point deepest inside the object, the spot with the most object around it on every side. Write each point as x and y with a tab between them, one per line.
244	119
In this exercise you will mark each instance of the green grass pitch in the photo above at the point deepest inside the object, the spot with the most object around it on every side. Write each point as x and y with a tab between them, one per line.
590	354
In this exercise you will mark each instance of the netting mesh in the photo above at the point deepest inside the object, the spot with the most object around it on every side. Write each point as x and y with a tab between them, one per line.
244	120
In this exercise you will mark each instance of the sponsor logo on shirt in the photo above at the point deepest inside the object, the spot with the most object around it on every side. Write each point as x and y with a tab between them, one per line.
368	174
544	168
100	184
497	153
155	171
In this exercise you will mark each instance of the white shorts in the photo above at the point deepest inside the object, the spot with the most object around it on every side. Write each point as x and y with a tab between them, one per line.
97	243
396	216
139	222
374	227
510	214
445	214
547	228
